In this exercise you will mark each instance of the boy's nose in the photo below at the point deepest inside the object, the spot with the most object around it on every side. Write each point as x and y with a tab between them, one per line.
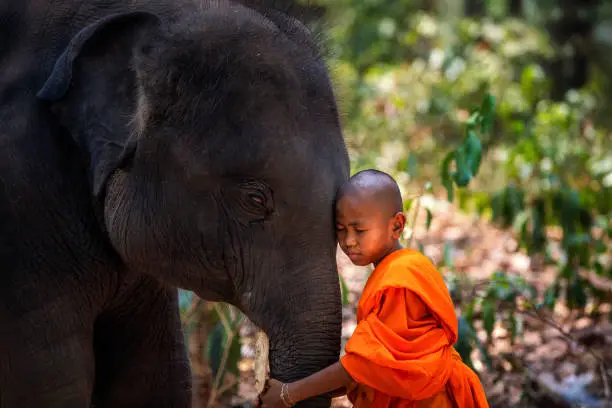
350	241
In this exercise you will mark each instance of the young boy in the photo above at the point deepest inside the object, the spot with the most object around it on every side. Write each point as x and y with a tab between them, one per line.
401	353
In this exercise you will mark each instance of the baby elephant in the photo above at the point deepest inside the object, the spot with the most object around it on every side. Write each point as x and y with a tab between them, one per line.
150	145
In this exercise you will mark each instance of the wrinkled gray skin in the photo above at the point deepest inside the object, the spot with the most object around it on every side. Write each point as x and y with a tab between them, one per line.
147	145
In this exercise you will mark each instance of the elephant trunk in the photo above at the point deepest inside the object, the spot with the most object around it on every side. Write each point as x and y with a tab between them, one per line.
308	338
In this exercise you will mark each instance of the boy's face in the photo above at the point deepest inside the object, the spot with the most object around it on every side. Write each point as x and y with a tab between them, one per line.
364	231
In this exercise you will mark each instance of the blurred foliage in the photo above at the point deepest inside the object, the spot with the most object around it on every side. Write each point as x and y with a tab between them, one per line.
407	91
212	331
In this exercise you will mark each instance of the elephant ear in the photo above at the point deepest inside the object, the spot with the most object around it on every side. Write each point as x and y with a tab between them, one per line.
93	90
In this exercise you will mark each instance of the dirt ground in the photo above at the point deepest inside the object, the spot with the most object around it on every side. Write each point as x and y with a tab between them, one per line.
545	368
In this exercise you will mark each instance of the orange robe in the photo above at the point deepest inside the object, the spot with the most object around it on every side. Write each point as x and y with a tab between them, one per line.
401	353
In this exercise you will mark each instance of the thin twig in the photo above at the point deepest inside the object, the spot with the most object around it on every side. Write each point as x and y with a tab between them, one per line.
193	309
221	315
414	218
604	377
227	386
216	390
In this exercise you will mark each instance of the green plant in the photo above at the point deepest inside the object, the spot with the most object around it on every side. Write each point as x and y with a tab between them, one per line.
220	349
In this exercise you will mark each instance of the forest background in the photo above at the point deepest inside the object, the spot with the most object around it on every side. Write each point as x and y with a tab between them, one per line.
495	118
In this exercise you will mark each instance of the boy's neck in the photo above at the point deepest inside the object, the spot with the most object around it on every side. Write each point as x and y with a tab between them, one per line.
395	247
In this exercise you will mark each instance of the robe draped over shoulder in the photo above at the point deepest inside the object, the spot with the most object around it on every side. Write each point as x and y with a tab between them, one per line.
401	353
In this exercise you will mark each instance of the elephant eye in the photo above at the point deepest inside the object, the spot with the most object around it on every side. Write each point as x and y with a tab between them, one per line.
257	197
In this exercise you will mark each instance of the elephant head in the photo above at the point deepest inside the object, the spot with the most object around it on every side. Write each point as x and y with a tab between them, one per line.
214	152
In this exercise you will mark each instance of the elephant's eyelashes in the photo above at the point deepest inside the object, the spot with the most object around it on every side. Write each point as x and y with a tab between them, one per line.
258	198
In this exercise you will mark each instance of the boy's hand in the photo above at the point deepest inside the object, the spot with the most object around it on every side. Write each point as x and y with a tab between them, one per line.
271	398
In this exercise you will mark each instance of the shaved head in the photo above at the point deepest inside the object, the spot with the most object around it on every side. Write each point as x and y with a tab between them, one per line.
374	186
369	217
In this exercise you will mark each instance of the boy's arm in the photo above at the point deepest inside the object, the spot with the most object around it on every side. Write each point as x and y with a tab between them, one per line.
337	393
333	379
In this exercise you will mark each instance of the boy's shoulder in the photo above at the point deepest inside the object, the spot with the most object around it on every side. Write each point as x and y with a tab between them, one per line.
402	268
404	257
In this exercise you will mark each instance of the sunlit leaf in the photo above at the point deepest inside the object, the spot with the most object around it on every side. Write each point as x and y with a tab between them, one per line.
473	151
408	204
345	291
487	112
472	121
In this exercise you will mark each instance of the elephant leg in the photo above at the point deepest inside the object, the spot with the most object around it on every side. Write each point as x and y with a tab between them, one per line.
46	356
141	359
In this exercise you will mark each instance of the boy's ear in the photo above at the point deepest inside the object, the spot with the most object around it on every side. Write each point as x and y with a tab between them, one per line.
399	222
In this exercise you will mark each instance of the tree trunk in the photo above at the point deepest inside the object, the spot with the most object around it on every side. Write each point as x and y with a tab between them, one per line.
574	28
475	8
515	8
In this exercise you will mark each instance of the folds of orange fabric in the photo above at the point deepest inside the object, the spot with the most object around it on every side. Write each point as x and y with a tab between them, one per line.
402	349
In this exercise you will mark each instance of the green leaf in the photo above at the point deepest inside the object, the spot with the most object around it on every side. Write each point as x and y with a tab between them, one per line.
463	175
345	291
576	294
487	112
473	120
513	326
469	312
551	295
447	181
411	165
505	291
599	269
447	257
408	204
217	343
185	299
488	316
520	223
486	357
473	150
465	339
429	219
